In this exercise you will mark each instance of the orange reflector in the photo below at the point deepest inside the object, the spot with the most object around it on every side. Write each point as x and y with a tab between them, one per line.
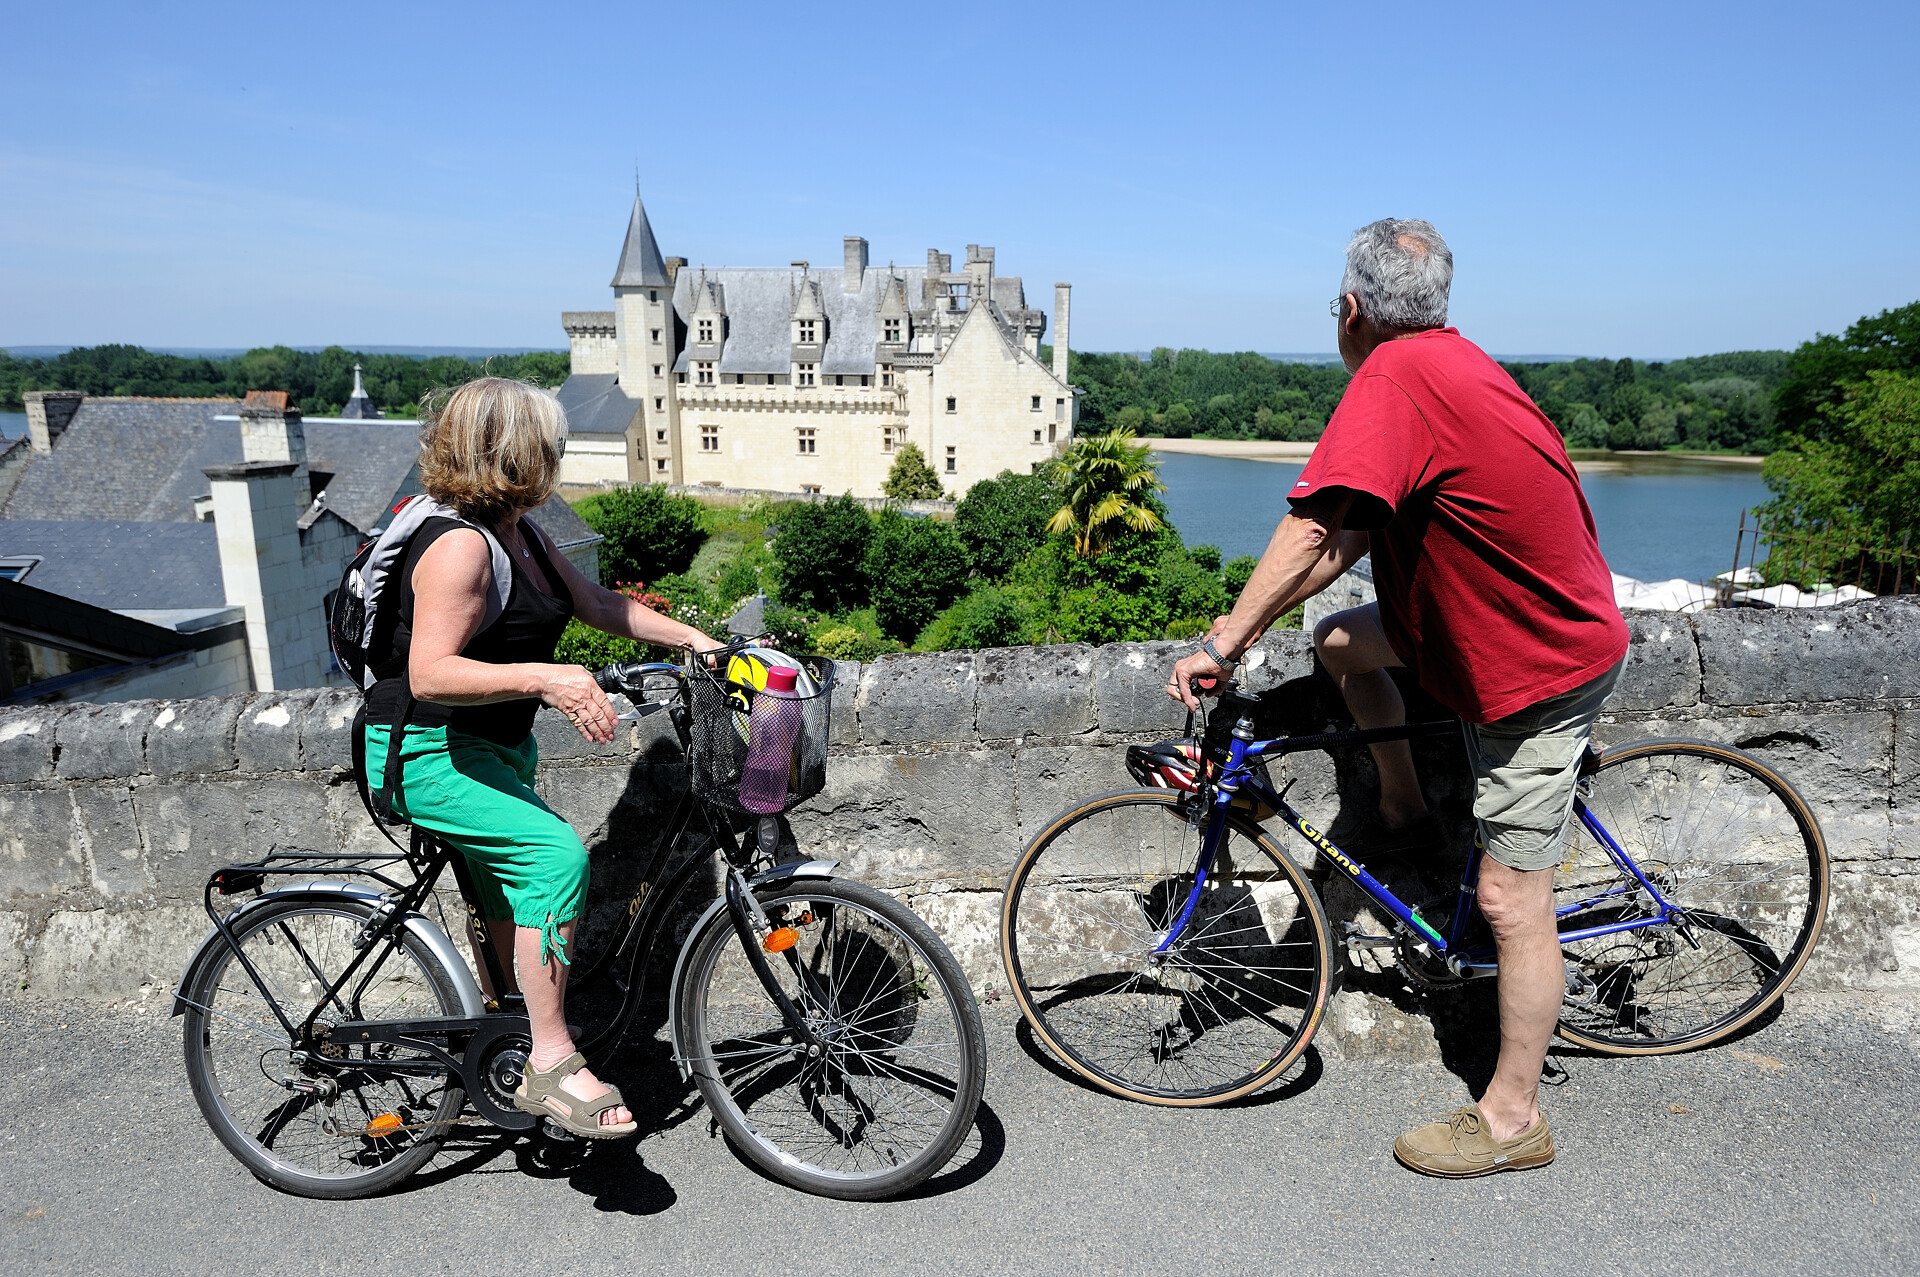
385	1124
780	939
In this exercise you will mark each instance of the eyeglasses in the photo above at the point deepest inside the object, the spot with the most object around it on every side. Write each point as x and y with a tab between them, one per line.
1333	307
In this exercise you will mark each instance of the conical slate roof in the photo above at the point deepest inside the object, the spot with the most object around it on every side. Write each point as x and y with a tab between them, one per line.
641	265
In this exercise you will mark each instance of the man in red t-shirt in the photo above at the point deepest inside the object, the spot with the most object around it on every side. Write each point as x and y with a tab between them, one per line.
1492	591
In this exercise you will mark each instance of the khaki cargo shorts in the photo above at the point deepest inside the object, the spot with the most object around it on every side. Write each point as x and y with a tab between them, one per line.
1525	767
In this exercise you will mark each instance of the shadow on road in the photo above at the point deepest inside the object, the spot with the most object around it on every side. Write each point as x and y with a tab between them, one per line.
1308	1074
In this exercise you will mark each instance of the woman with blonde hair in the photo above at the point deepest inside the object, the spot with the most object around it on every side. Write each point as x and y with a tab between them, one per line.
465	690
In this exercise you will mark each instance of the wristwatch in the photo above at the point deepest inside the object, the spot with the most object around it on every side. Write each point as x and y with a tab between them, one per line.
1214	654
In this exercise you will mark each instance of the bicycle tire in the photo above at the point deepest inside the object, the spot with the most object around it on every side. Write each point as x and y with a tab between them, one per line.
280	1134
1050	911
894	1040
1724	838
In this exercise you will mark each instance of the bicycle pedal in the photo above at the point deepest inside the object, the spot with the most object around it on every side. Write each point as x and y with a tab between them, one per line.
556	1132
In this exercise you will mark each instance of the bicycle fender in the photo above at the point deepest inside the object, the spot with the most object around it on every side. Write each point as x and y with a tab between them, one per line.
779	873
472	1001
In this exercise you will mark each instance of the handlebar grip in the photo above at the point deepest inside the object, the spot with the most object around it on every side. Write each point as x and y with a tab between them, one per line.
1203	686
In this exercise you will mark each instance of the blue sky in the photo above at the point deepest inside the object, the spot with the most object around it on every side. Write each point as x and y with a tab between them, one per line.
1656	180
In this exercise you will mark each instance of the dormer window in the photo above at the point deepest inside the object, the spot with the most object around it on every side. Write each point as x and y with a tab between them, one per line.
807	332
706	332
803	374
703	372
892	330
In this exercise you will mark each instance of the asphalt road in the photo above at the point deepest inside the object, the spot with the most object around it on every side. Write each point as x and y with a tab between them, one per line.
1793	1149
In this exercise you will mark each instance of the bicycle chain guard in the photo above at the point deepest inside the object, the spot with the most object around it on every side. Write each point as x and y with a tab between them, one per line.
492	1065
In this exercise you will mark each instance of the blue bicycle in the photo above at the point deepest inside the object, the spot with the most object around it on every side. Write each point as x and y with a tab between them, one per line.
1165	947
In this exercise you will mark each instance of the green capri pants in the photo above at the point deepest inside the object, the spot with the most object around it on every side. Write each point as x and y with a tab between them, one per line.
528	864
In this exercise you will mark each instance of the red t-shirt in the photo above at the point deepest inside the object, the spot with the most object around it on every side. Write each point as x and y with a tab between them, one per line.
1491	584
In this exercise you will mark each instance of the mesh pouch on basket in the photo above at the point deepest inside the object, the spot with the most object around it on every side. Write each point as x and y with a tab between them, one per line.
721	712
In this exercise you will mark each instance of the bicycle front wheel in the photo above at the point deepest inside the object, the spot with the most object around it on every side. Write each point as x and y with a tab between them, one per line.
335	1125
1725	841
889	1094
1224	1011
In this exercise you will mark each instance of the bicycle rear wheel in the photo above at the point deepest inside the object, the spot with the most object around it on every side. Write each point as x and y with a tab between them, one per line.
356	1130
890	1096
1224	1012
1727	842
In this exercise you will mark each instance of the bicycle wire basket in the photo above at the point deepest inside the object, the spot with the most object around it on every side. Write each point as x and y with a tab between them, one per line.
717	751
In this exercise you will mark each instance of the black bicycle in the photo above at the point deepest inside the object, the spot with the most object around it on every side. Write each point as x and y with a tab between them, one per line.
334	1034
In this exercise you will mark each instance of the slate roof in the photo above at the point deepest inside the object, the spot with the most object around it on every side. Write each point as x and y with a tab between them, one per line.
560	521
596	405
640	262
759	302
142	460
121	565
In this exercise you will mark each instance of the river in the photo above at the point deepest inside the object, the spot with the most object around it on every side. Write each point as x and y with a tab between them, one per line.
1658	517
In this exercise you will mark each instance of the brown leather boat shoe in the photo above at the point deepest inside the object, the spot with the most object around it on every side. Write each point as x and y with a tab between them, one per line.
1460	1146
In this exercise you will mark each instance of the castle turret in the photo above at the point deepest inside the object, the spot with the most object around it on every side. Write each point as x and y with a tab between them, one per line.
648	344
359	407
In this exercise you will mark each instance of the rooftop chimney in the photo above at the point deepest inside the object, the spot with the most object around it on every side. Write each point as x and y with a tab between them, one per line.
1060	306
256	509
856	264
270	430
48	412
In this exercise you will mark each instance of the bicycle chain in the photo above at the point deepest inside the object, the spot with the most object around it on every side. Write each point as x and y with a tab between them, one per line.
363	1133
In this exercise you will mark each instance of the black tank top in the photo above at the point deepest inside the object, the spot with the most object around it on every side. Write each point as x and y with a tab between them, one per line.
526	631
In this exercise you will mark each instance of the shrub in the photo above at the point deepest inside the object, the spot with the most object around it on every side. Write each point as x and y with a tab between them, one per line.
584	645
846	643
1003	518
1207	556
1236	574
988	617
788	629
912	478
818	554
649	532
915	567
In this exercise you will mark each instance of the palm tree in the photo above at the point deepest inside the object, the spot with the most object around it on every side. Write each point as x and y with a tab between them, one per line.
1108	480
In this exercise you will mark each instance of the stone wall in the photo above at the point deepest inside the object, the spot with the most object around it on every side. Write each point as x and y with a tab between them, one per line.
944	764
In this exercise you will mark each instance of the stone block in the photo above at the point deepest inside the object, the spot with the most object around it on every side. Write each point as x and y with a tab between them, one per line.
1130	688
98	741
266	737
1905	840
40	852
1752	656
326	729
99	953
284	816
1279	657
1050	778
1662	669
1034	691
918	698
1871	939
193	737
116	862
352	828
559	739
843	731
28	742
1841	763
192	827
968	923
898	819
13	953
584	796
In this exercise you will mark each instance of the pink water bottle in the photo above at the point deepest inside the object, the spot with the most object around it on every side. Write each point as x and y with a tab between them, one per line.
772	729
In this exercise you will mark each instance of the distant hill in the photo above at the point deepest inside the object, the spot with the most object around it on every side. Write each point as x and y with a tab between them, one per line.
229	352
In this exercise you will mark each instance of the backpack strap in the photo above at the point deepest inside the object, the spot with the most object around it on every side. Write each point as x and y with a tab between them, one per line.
392	771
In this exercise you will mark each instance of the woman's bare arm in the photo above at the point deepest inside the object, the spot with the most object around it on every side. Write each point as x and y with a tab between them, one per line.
450	584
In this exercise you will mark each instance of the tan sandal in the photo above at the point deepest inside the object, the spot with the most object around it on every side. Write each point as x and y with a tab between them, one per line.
539	1092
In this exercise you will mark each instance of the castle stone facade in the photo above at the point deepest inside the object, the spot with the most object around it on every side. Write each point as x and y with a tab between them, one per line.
798	379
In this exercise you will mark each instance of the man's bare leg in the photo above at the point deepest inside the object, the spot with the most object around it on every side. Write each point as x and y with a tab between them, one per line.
1355	651
1518	905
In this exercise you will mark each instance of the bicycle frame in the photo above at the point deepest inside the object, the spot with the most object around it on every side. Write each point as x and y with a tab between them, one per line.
1237	777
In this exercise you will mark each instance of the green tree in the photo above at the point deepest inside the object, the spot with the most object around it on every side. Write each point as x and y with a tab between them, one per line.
915	568
1820	372
1235	575
1858	476
1109	483
1001	519
649	532
818	551
912	478
988	617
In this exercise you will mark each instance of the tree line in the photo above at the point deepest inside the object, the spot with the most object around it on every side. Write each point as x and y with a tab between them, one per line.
319	381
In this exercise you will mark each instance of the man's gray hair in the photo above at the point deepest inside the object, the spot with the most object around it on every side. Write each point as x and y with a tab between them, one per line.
1401	270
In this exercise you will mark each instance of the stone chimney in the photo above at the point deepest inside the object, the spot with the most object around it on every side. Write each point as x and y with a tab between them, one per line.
270	430
1061	300
48	412
856	264
256	508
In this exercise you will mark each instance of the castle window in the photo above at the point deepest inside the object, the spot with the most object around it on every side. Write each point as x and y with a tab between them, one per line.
710	439
866	379
892	330
739	379
1036	403
683	379
953	460
656	370
656	336
1059	410
659	404
703	372
809	441
639	452
1036	436
804	374
661	465
706	331
811	489
888	438
659	436
653	294
886	374
1050	433
951	405
806	332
